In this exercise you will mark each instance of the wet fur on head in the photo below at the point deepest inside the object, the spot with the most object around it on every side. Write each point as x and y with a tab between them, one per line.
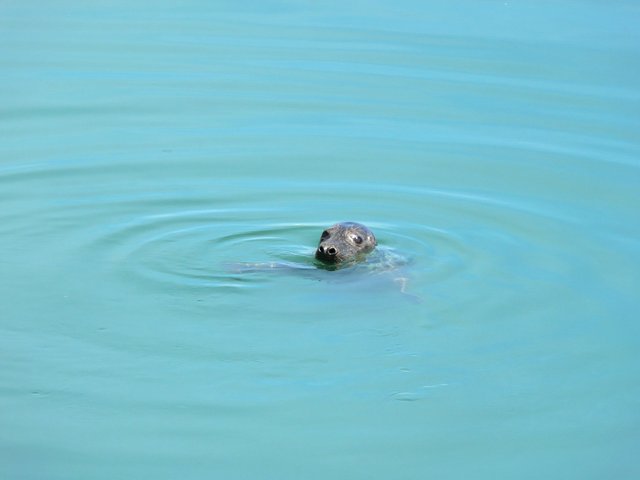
345	242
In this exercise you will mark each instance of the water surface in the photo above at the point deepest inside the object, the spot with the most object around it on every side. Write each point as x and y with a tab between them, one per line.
145	146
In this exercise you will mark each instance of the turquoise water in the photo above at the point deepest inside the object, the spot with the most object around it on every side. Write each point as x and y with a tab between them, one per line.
145	147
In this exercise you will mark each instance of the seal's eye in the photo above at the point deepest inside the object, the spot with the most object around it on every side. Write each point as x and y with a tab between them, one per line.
357	239
324	235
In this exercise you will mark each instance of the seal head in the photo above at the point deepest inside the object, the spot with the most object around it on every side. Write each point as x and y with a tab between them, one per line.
345	242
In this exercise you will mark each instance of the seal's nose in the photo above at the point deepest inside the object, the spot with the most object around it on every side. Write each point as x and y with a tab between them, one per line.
327	252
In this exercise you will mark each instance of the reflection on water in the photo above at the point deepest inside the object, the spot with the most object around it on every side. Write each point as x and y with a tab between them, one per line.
146	149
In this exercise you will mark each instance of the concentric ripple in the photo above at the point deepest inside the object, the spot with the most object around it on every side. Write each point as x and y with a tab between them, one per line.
174	242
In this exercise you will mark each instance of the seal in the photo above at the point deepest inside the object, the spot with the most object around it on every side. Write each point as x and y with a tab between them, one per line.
345	243
347	252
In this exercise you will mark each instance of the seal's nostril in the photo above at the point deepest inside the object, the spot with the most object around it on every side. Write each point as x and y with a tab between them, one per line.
321	249
331	251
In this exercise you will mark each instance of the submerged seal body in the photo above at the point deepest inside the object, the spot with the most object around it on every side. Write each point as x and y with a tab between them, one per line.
345	243
346	253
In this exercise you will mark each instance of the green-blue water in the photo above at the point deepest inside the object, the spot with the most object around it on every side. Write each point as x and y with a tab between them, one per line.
146	145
